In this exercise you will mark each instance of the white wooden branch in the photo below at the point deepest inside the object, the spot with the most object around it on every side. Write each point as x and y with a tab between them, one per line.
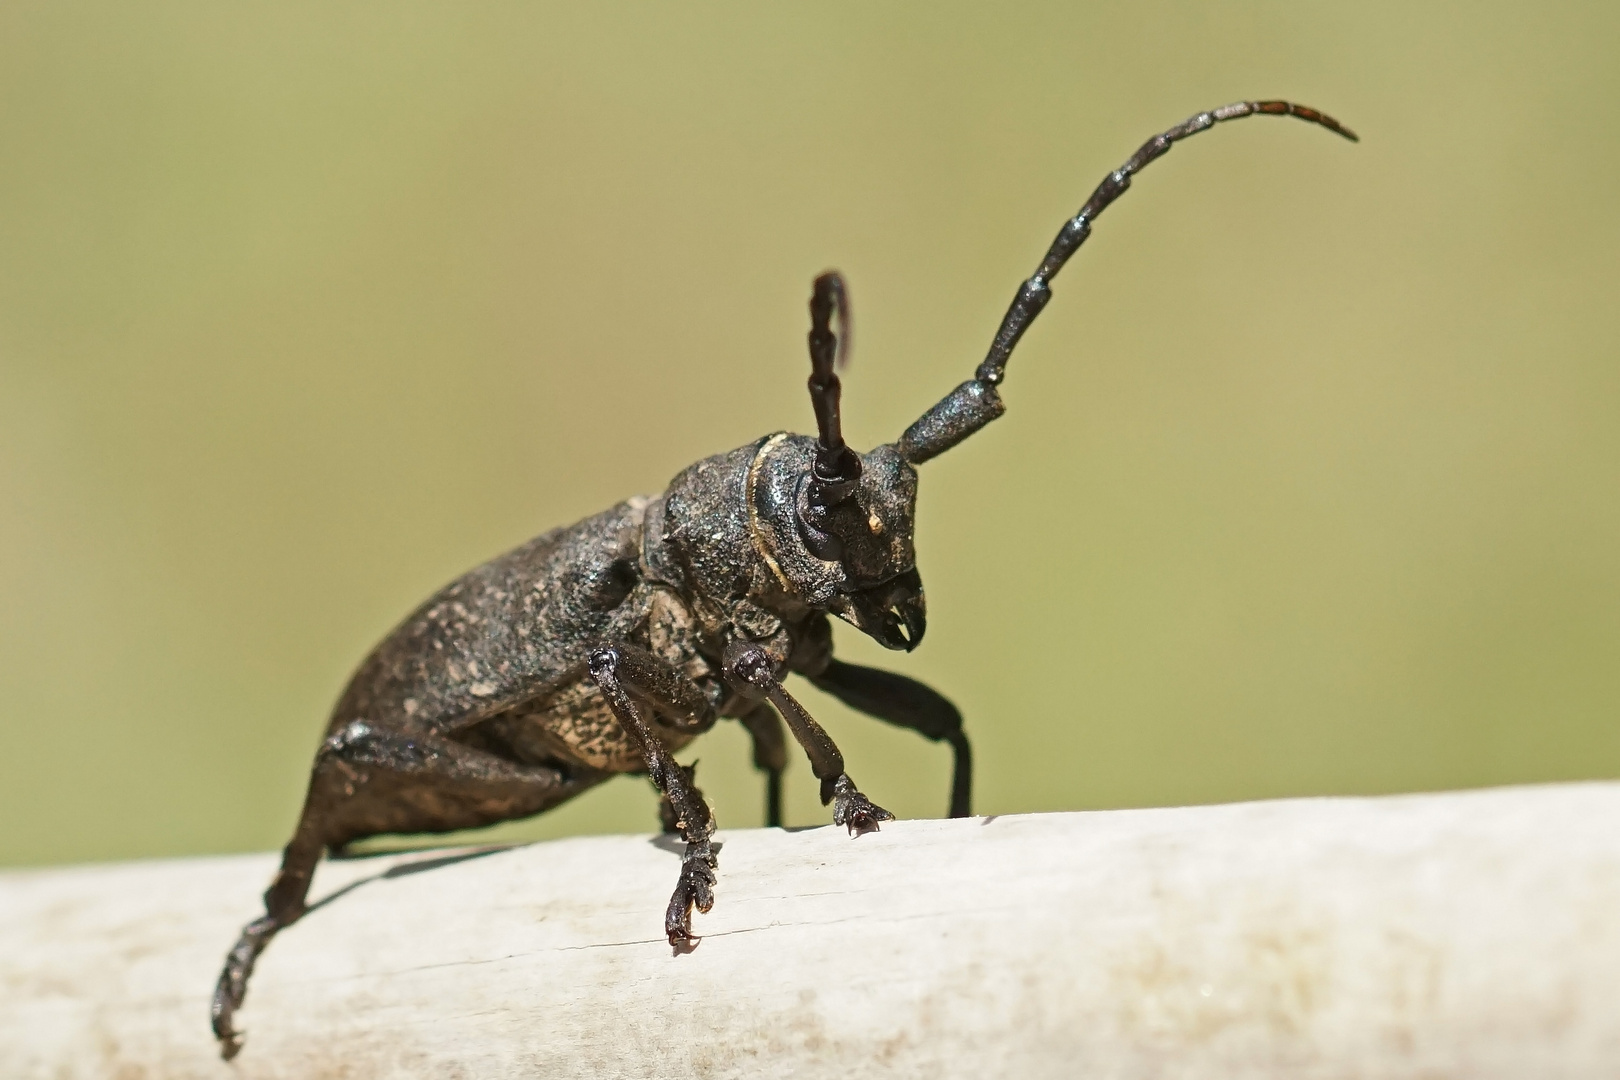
1460	935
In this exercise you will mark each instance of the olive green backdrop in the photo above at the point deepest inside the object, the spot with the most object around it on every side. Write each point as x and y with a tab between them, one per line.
1307	484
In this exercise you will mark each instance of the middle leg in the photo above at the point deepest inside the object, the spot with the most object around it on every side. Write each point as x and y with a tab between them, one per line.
770	757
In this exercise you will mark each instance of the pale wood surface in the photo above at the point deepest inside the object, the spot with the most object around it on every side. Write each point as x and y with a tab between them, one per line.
1460	935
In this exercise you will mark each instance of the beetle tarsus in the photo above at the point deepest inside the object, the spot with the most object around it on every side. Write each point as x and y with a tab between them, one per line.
852	809
232	985
694	890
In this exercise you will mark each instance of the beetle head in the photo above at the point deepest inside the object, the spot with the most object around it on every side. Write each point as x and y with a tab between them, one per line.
854	558
841	522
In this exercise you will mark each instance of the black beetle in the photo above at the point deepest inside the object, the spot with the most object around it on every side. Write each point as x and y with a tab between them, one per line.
602	647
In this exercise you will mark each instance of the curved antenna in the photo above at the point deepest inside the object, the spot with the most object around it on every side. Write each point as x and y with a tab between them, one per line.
837	468
975	403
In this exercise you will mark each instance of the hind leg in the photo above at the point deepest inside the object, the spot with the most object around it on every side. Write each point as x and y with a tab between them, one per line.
368	781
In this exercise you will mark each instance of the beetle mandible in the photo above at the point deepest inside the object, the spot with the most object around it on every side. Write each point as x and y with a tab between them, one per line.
603	647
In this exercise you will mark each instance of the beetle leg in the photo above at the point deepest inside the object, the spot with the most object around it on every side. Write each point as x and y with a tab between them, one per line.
363	784
770	757
905	703
668	816
749	669
625	673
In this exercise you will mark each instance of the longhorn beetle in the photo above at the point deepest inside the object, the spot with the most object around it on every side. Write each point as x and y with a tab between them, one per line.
605	646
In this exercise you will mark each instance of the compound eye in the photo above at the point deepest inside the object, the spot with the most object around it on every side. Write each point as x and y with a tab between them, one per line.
821	543
822	519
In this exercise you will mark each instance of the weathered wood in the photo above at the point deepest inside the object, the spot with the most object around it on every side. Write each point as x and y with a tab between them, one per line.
1459	935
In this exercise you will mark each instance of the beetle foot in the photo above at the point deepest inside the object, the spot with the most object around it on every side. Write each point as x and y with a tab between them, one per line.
855	810
232	986
695	889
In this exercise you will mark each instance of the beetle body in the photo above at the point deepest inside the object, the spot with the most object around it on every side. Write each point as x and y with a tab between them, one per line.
498	658
603	647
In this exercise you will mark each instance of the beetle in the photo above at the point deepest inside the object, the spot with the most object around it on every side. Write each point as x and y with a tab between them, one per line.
603	647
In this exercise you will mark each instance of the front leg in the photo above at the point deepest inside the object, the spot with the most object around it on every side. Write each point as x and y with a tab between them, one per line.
905	703
625	674
748	668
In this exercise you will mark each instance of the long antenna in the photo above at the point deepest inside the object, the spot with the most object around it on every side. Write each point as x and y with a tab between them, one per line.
975	403
1035	292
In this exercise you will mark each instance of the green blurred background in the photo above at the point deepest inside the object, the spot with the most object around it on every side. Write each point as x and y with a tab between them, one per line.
1307	485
